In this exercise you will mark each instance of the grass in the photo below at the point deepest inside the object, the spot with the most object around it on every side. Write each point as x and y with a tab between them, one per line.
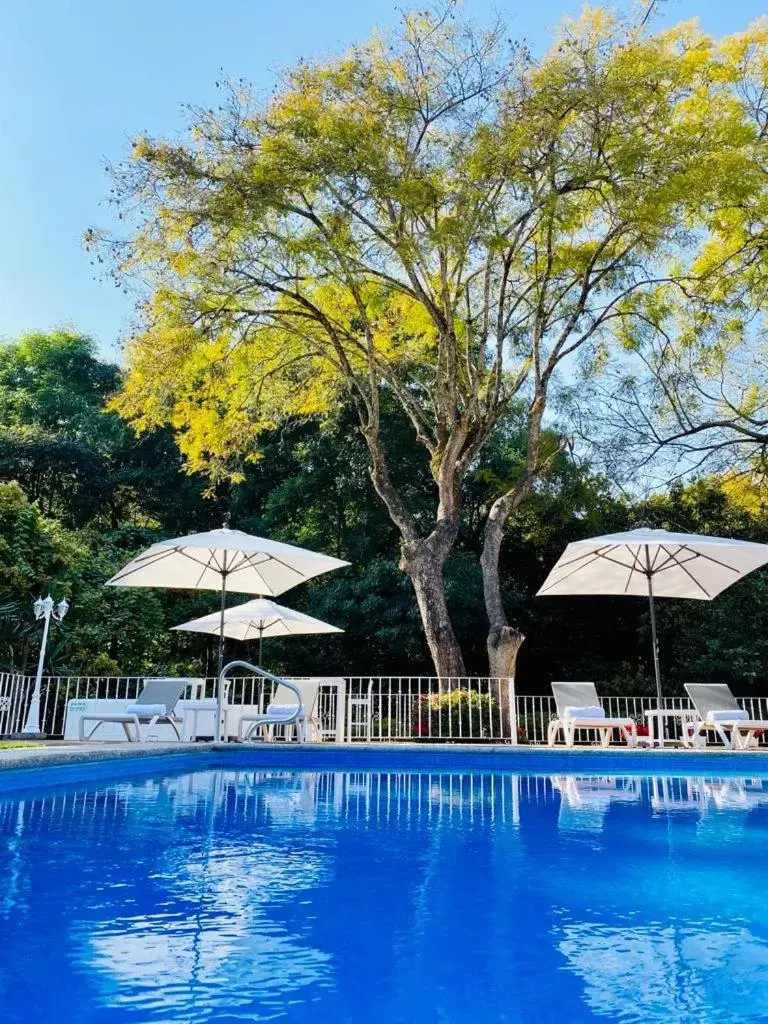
22	743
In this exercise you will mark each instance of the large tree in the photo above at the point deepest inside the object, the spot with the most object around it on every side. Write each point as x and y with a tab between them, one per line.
436	219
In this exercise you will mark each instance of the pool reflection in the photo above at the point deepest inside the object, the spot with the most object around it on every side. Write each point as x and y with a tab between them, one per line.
584	801
217	896
673	973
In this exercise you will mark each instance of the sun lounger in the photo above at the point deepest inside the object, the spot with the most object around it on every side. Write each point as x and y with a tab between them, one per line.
578	708
719	713
156	703
293	704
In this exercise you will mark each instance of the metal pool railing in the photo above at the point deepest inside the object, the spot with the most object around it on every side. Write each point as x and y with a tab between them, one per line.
371	709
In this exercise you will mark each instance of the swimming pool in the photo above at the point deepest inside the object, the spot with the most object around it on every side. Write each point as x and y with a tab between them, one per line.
247	892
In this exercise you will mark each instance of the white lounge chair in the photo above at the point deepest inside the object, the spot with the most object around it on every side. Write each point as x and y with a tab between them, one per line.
156	703
719	713
578	708
294	704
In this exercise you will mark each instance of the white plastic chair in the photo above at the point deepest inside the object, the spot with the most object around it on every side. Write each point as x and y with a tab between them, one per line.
300	713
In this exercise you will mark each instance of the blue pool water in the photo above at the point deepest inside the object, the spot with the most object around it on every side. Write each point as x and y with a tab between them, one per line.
227	895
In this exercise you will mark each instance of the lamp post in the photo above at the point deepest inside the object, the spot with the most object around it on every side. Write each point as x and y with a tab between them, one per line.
45	610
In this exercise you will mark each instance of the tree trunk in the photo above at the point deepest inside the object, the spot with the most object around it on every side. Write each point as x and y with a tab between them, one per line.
424	558
424	561
504	641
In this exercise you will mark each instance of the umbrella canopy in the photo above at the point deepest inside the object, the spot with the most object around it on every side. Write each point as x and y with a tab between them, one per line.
653	563
250	565
221	560
257	619
680	565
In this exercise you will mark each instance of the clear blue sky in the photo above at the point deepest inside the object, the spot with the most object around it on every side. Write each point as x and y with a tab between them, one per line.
78	78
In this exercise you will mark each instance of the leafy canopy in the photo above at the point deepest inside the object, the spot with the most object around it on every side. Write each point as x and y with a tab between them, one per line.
436	215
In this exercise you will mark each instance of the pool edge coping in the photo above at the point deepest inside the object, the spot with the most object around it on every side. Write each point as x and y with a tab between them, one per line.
19	759
45	755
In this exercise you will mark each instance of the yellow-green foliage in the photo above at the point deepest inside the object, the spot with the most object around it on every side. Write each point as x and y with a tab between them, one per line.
435	216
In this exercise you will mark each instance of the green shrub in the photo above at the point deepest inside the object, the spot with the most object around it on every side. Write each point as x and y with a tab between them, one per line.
456	714
387	728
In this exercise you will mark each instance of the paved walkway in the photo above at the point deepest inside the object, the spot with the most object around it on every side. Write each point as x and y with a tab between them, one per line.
38	755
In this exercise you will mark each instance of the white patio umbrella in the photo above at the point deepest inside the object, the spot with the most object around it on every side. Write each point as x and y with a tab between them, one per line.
224	560
257	619
653	563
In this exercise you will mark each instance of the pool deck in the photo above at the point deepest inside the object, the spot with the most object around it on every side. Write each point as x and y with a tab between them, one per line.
51	754
58	752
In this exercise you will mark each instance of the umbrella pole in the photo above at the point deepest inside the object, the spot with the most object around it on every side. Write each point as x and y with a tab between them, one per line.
261	641
219	693
656	669
221	622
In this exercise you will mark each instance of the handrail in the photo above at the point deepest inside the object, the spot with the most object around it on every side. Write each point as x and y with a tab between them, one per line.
266	675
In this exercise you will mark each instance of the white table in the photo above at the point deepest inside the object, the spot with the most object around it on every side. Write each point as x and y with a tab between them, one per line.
199	718
655	721
190	711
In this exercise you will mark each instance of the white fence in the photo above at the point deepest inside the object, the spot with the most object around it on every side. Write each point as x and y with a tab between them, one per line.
372	709
15	692
461	709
